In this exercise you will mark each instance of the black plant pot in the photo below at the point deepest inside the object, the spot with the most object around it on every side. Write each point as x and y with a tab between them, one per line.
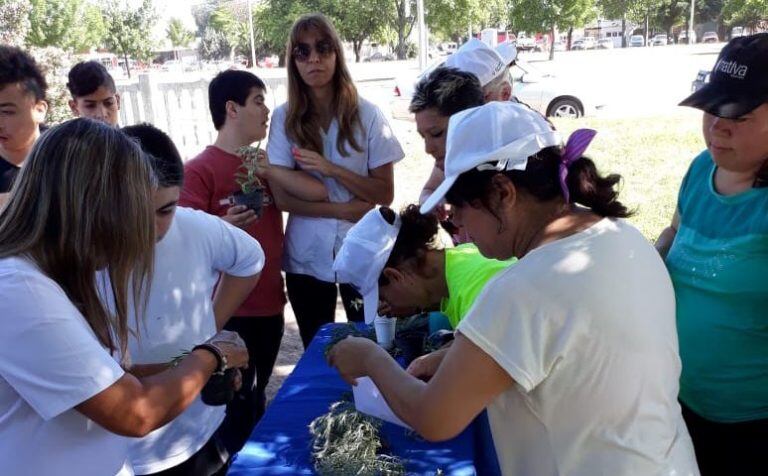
220	388
253	200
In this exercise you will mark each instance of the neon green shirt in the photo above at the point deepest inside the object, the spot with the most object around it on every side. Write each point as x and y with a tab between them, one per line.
466	272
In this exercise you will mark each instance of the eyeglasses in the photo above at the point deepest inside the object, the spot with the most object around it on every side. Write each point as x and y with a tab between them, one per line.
303	51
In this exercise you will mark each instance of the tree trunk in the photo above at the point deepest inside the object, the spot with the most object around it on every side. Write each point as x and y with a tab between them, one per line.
569	39
623	31
127	64
356	46
552	43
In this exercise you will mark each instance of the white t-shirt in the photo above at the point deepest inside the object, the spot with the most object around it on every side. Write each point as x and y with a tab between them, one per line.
179	316
50	362
311	243
586	328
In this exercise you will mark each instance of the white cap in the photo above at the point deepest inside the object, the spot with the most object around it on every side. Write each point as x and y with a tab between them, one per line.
500	135
363	254
477	58
508	51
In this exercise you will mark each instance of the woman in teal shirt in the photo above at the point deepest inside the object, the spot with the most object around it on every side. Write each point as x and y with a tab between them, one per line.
717	254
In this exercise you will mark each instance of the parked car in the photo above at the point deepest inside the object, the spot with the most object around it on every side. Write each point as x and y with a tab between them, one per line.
559	46
525	43
683	37
702	78
586	43
636	40
379	56
660	40
548	94
710	37
605	44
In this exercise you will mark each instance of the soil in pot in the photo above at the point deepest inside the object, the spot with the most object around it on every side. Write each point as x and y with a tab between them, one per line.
253	200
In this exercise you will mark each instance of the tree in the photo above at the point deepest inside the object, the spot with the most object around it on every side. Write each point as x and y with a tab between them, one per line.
73	25
402	21
357	20
129	30
178	35
535	15
669	13
14	18
749	13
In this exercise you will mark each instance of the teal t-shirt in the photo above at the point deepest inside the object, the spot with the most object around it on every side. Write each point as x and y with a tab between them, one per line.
466	272
719	267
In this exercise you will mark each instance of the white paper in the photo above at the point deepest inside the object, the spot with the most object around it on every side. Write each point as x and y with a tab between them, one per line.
370	401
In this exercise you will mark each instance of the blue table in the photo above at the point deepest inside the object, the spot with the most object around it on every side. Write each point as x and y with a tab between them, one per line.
280	443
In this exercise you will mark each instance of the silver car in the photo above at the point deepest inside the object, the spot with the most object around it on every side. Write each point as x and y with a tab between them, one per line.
546	93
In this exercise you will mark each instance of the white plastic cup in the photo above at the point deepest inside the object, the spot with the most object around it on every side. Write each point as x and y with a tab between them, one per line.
385	330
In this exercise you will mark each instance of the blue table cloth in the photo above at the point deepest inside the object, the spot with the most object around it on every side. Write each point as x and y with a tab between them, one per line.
281	444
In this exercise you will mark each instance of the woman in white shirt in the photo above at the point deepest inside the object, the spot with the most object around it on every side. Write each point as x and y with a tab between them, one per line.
328	130
573	350
82	203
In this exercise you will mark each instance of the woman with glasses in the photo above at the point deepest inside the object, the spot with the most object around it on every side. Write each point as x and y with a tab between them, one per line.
329	131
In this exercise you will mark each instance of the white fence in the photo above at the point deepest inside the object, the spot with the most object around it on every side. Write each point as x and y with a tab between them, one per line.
180	108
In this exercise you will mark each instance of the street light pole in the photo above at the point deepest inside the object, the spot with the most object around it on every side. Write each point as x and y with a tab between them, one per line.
423	43
253	42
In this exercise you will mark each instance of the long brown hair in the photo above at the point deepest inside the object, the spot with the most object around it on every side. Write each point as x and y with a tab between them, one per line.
82	203
301	124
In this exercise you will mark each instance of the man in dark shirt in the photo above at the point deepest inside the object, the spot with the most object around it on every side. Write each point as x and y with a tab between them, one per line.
22	110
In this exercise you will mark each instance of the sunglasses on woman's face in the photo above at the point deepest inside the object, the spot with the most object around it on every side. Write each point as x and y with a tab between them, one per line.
302	51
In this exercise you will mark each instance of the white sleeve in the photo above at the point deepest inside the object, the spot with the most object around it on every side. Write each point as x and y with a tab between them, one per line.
278	145
48	353
233	251
383	146
521	330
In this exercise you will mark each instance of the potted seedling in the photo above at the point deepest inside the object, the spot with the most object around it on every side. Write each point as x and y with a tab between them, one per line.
220	388
251	193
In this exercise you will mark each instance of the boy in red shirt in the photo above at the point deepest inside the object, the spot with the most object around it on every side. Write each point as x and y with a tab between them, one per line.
236	102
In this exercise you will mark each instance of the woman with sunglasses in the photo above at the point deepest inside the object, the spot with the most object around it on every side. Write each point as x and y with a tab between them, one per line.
328	130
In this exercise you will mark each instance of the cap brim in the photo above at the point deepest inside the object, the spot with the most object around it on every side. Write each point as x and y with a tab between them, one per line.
714	99
371	304
431	202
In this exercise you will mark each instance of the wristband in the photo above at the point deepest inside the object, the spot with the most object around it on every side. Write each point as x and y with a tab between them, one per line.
221	359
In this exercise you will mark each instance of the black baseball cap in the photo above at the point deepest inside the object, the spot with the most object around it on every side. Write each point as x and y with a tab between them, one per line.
739	81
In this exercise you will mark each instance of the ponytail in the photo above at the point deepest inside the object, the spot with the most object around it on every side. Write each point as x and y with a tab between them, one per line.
594	191
418	234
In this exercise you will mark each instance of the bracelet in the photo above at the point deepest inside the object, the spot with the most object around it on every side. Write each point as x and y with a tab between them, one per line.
221	359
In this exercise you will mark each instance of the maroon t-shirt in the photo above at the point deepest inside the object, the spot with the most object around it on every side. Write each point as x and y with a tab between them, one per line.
209	178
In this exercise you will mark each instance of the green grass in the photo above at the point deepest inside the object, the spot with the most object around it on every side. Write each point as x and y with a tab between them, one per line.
652	155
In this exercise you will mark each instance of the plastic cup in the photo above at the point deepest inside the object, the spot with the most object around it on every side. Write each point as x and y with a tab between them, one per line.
385	330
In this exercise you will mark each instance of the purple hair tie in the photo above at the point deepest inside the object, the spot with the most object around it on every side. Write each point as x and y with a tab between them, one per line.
577	143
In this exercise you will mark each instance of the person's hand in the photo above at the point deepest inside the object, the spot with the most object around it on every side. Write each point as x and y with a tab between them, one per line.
426	366
232	346
350	356
354	210
240	216
384	308
311	161
262	162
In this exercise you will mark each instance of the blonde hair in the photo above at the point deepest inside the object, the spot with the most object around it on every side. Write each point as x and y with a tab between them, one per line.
301	124
82	203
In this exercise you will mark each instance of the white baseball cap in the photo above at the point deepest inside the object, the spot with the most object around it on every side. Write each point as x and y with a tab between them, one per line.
363	254
508	51
500	135
477	58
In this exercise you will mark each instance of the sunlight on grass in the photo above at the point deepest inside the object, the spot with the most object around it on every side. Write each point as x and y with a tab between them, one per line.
652	155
